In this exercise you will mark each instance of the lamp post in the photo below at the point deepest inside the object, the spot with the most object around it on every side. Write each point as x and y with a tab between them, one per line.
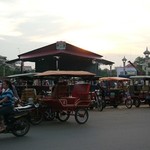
124	62
57	62
110	74
146	53
95	63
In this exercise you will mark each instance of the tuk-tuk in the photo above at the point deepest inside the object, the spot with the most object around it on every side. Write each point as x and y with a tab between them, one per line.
140	90
70	96
26	82
114	91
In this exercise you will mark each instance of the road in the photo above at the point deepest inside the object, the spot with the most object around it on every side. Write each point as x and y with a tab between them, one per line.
111	129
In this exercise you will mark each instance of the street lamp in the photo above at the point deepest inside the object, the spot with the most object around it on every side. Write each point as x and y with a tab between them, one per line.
57	62
95	63
124	62
110	66
146	53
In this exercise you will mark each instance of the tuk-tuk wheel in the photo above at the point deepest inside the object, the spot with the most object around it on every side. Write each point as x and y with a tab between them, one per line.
115	105
81	115
137	103
63	115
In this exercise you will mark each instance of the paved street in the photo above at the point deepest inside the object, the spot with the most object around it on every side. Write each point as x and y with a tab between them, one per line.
111	129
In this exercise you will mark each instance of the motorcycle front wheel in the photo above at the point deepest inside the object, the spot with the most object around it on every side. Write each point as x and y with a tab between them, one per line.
36	117
128	103
20	127
137	102
99	105
49	115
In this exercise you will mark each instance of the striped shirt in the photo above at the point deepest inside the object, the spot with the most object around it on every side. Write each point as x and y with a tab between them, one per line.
9	94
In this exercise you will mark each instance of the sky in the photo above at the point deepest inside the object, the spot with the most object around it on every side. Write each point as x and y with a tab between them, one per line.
111	28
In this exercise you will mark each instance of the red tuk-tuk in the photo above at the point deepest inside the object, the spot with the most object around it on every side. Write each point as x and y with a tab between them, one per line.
69	96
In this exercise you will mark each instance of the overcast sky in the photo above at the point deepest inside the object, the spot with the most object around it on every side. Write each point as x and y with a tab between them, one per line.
112	28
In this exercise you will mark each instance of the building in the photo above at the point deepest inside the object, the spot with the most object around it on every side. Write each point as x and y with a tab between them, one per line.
28	68
64	56
129	71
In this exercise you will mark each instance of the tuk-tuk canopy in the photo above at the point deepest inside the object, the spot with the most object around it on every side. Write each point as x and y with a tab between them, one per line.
140	77
31	74
65	73
114	79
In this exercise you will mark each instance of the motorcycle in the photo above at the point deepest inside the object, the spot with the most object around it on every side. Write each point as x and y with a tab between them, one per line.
96	100
38	112
17	123
35	116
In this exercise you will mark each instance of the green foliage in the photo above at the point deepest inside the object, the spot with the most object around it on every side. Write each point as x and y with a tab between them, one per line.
106	72
139	60
6	70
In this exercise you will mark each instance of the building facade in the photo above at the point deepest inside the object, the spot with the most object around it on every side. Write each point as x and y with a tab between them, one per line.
129	71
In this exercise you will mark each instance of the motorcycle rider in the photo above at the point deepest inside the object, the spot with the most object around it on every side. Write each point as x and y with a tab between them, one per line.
16	96
6	102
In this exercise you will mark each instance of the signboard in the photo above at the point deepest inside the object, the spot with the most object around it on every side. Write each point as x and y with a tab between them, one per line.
60	45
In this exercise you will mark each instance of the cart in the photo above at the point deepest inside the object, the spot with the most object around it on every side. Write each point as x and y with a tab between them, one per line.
114	91
68	98
140	90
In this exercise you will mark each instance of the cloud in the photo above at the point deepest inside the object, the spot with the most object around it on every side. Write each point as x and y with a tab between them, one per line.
107	27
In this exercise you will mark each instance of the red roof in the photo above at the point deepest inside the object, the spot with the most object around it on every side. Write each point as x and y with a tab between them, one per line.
51	50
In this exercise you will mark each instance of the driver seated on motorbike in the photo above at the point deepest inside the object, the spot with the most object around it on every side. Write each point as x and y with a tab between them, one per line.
6	102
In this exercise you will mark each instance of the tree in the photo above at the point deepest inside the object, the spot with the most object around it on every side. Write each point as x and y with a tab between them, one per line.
139	60
138	63
6	70
106	72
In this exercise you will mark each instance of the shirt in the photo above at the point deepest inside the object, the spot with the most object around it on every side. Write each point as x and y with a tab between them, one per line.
9	94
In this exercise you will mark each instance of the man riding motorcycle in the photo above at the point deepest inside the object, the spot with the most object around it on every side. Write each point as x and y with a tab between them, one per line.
6	102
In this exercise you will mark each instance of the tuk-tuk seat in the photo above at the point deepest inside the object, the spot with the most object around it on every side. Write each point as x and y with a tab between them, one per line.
145	89
81	91
28	94
60	90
